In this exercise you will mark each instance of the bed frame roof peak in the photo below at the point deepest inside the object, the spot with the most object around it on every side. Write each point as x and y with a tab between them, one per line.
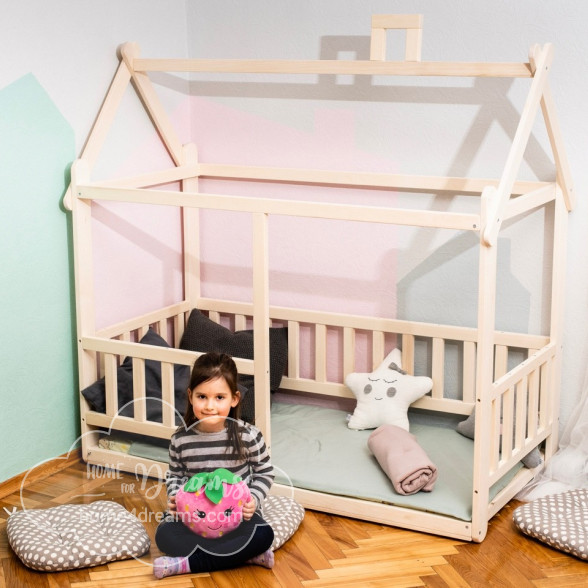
496	196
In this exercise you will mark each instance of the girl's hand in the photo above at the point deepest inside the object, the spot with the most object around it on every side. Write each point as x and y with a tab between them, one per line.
249	509
171	504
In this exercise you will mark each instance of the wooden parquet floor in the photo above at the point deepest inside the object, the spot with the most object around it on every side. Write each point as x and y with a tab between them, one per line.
326	551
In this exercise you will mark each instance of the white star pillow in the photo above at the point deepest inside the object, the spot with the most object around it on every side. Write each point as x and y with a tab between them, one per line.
383	396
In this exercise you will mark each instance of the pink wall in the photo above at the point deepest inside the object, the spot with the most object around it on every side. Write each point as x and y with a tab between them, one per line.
316	264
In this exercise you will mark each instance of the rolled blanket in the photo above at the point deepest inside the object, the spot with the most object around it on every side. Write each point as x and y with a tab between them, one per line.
403	459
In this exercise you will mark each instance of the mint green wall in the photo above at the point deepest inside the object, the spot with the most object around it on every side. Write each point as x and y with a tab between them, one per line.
37	387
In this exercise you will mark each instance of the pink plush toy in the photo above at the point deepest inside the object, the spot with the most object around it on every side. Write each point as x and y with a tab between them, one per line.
211	503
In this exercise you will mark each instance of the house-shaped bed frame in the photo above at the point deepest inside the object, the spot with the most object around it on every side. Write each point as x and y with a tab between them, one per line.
525	397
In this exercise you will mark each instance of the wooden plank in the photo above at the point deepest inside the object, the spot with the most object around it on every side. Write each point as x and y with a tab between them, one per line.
484	378
40	472
84	290
500	361
459	185
261	324
102	124
380	513
412	23
293	349
134	323
562	166
507	424
367	323
129	53
168	394
356	213
438	369
320	353
558	289
165	176
164	354
191	233
378	44
111	383
469	371
161	328
529	201
378	348
337	67
139	404
519	144
240	322
348	351
408	352
533	362
414	44
397	21
533	403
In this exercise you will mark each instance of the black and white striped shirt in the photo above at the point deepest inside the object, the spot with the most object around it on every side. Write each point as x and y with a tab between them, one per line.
194	451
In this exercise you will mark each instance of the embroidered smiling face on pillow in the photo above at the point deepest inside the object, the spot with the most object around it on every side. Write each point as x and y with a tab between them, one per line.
384	395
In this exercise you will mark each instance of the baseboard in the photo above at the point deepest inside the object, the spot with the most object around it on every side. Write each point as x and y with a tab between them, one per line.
40	472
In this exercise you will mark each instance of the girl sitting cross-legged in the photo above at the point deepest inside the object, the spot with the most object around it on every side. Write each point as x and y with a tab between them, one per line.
214	437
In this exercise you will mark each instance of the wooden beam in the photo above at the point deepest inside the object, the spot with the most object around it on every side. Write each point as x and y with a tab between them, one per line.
411	23
144	87
102	123
562	166
156	178
499	200
530	201
360	179
372	214
261	324
336	67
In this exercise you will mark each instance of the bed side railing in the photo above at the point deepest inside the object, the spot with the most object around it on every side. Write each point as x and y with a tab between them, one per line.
321	335
381	335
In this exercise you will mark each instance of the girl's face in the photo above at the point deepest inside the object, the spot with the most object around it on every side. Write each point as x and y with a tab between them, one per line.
211	402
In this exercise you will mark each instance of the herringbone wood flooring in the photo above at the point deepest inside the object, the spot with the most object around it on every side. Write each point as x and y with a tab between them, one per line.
326	551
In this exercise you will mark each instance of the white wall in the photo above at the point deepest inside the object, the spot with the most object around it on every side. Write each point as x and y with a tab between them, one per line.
449	127
69	46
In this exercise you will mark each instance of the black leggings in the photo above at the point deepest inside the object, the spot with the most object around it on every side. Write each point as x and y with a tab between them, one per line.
249	539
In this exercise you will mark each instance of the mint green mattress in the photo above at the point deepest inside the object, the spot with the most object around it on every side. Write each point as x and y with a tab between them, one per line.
312	448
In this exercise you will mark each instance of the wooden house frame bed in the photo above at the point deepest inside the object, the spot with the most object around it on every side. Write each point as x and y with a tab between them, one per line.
525	396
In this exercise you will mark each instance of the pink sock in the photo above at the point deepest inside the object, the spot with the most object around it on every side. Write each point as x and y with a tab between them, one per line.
265	559
170	566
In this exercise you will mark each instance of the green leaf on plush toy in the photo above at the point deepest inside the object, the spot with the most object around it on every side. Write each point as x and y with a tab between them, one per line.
213	482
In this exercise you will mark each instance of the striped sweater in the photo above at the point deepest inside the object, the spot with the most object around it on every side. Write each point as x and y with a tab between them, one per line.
194	451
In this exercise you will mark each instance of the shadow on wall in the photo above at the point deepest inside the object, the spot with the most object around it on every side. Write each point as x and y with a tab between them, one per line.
490	96
444	289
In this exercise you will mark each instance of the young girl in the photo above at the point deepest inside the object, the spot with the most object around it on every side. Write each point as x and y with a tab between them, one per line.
214	437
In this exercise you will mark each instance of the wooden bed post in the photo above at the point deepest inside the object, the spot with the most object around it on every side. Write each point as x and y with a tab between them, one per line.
84	284
102	124
261	324
517	150
191	234
558	274
484	375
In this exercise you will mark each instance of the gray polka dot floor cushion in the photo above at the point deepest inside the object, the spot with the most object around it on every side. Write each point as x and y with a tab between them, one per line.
284	516
559	520
76	536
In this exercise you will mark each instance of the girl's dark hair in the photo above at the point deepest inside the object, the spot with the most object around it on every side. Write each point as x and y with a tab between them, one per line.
211	366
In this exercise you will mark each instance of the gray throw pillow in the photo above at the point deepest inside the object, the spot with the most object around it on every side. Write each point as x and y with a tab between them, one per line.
96	397
466	428
203	334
